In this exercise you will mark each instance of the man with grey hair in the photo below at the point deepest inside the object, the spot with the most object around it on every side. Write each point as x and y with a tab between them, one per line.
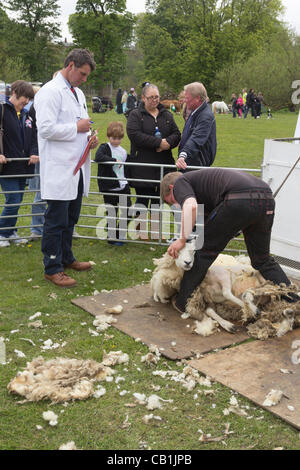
198	142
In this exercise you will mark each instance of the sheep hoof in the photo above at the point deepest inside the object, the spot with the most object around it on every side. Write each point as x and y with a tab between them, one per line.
232	329
257	314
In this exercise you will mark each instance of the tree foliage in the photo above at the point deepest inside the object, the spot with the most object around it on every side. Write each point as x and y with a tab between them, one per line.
272	71
187	40
29	35
106	29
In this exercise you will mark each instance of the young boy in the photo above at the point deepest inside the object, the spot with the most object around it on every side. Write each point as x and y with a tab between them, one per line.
115	191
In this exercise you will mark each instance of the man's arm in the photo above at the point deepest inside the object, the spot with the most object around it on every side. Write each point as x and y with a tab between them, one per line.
198	138
188	220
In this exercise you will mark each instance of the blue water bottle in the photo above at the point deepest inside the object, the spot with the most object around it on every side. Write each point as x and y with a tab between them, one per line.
157	133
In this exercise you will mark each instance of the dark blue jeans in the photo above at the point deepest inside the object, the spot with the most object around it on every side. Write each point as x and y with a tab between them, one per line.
255	218
12	204
60	219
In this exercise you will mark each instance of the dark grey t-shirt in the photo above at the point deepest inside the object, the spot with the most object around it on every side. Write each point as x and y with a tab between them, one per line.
210	185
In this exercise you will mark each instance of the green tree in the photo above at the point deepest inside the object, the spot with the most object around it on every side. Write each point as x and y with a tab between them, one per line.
271	71
106	29
14	69
186	40
30	35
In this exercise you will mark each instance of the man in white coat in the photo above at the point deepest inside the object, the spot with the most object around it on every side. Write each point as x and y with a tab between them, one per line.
63	131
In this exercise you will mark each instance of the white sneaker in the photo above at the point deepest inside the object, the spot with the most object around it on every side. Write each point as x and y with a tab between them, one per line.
19	241
4	242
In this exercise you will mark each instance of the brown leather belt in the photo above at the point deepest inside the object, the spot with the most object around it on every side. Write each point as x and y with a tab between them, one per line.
249	195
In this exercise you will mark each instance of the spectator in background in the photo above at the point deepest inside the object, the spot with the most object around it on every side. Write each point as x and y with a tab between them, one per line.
153	133
233	104
7	93
251	102
39	206
261	104
119	108
239	105
244	94
19	142
124	101
131	100
198	143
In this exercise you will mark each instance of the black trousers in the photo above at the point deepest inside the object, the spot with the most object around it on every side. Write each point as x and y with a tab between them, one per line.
255	218
149	192
121	203
60	219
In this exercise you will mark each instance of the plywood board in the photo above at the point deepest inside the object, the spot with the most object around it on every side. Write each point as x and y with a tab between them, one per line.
157	323
253	369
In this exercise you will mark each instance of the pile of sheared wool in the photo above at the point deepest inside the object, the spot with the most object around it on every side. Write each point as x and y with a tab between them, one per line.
58	380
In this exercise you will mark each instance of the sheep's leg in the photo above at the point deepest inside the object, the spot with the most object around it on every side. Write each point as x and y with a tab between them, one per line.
160	293
227	325
248	298
232	298
286	324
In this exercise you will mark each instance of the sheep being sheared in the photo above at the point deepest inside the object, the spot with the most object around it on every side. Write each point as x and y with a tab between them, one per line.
167	275
231	290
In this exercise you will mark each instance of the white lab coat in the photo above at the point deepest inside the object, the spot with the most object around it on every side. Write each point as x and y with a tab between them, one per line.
60	145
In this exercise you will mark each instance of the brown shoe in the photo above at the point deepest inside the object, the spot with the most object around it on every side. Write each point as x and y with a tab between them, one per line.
79	266
61	279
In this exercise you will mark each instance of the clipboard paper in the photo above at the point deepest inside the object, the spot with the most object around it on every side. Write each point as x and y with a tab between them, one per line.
85	153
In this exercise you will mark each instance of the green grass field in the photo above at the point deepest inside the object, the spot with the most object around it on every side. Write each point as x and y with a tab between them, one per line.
106	423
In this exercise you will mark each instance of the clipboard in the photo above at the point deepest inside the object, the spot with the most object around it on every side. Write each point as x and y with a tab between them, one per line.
85	153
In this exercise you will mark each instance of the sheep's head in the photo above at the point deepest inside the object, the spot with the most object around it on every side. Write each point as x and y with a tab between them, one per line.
186	256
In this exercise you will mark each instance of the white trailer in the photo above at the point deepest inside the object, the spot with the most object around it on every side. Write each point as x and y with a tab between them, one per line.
279	157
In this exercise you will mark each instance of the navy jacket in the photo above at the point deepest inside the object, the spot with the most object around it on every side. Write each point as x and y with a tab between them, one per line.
19	140
199	139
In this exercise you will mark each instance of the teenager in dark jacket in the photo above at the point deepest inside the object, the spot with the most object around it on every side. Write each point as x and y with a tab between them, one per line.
153	133
20	142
